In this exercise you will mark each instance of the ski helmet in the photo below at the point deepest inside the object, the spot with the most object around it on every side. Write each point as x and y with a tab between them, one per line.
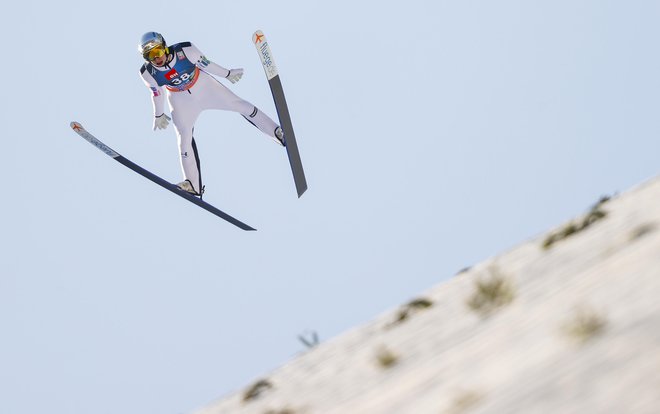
150	41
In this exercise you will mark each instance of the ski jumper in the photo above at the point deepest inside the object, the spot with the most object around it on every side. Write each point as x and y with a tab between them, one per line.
190	90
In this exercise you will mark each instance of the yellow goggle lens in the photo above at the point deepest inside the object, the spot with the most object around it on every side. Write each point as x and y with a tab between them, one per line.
156	53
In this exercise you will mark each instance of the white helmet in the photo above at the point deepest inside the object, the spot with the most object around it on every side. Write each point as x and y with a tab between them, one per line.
150	41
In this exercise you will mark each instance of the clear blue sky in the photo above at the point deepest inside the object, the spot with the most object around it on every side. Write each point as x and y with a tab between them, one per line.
434	135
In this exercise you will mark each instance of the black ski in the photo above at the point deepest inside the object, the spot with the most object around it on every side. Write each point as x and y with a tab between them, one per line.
78	128
276	89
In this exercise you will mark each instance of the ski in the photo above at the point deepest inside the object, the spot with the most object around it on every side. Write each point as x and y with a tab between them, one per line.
260	42
78	128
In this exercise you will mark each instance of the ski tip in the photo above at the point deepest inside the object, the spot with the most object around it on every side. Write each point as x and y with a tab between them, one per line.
258	37
76	126
242	225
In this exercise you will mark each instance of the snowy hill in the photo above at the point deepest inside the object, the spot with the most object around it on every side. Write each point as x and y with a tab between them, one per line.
568	322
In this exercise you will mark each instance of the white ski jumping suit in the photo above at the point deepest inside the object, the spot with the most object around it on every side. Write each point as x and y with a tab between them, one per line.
190	90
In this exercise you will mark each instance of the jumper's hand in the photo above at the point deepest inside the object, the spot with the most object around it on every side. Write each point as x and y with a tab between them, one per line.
235	75
161	121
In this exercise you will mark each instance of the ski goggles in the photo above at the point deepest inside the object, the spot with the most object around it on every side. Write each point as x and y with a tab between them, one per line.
155	53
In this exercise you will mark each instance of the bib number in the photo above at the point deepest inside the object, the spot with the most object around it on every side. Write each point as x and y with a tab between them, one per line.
181	79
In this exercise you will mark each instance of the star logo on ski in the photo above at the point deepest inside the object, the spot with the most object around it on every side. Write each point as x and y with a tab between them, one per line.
258	37
76	127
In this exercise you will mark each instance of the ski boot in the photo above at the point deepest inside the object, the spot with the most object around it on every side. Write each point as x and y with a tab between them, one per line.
187	186
279	136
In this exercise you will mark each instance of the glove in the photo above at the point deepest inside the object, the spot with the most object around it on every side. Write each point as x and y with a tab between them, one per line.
235	75
161	121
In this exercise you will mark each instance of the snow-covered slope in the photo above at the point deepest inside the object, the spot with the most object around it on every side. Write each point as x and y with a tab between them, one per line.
568	322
